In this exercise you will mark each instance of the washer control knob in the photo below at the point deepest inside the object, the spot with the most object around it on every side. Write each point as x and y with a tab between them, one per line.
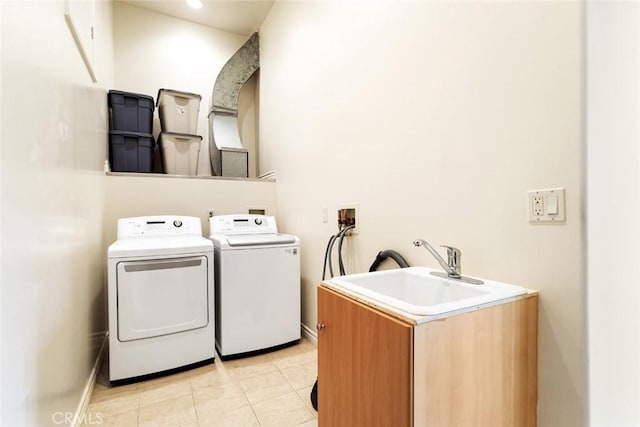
177	223
258	221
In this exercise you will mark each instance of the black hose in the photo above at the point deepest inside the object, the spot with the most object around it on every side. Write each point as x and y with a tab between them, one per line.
330	252
389	253
314	396
326	254
342	234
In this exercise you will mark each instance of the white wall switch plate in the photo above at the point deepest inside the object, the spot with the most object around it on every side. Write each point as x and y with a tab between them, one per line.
547	205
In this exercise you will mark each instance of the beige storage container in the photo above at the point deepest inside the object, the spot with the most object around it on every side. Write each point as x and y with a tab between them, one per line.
178	111
179	153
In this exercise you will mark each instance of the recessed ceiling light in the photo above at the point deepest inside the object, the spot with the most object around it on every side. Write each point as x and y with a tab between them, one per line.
196	4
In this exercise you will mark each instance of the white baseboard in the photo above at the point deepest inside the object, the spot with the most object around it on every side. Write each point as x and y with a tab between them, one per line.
78	418
309	334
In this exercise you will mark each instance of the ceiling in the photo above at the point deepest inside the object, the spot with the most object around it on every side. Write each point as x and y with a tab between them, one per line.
242	17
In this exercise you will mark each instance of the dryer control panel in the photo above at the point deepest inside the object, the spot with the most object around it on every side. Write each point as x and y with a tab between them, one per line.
152	226
242	224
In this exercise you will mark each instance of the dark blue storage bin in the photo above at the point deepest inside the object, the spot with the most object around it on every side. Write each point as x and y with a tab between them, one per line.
131	151
131	112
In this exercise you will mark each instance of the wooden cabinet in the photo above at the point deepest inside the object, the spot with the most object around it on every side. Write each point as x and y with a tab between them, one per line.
474	369
364	372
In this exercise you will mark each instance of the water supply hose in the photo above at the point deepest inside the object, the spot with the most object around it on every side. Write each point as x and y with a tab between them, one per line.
326	254
342	234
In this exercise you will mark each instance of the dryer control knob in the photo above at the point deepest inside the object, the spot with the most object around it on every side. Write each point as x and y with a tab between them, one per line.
177	223
258	221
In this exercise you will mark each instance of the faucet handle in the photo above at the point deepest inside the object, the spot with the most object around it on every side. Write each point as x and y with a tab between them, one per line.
454	259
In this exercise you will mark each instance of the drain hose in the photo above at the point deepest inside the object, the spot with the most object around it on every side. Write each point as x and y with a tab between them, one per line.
389	253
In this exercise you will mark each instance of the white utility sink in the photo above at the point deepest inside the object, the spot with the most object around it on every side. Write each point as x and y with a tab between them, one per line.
415	290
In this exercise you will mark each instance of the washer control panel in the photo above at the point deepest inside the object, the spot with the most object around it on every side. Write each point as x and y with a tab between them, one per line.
151	226
242	224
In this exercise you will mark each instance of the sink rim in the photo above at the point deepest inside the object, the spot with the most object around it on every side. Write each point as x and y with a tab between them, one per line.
495	292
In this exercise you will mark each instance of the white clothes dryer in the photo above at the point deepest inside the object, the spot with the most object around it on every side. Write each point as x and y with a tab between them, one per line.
257	279
160	296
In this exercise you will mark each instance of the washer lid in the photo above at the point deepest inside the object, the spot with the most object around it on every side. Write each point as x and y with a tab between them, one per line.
264	239
159	246
244	241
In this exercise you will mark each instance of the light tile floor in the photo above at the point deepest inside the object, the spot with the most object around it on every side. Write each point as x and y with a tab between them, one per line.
267	390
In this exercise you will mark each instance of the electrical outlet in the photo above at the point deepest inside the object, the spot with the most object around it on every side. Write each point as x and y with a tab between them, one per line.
538	206
211	212
547	205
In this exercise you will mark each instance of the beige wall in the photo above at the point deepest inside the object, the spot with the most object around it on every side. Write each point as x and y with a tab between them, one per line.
154	51
129	196
53	145
437	118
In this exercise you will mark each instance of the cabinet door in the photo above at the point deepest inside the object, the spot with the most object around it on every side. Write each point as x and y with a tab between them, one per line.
478	368
364	365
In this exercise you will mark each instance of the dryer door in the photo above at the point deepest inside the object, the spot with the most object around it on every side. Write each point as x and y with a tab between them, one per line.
160	297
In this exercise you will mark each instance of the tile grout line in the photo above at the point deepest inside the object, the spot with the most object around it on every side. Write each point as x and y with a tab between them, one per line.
244	393
305	407
193	401
254	413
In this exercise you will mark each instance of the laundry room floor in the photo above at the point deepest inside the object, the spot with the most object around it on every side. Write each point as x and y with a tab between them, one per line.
266	390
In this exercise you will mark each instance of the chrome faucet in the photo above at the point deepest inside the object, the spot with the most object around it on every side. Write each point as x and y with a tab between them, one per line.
453	265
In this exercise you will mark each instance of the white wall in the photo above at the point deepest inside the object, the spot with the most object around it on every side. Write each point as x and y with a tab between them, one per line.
437	118
154	51
613	132
53	144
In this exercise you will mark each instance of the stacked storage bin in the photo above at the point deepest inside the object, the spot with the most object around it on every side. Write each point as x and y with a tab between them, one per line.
131	142
179	144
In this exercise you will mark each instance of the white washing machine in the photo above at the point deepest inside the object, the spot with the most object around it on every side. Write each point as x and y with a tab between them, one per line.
161	296
257	279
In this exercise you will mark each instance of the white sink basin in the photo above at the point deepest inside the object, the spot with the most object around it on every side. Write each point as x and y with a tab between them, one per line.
415	290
